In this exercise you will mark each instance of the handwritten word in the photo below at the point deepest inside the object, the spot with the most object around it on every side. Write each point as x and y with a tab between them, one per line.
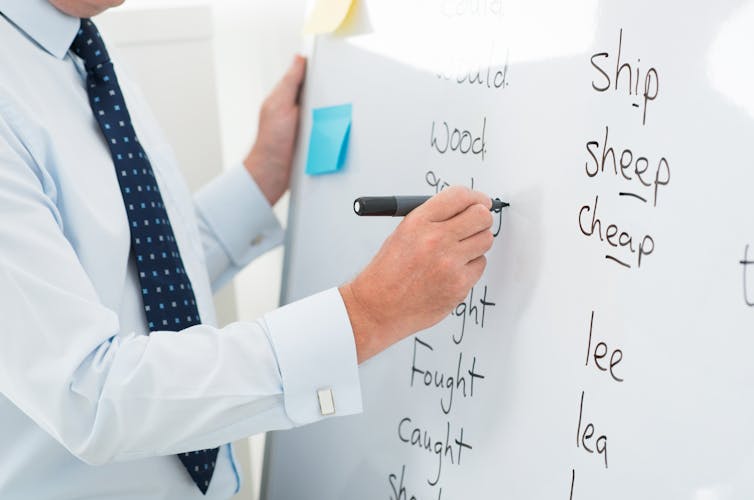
470	68
439	184
442	448
630	168
493	77
614	236
457	8
600	352
651	78
469	309
746	263
583	439
443	139
399	490
445	381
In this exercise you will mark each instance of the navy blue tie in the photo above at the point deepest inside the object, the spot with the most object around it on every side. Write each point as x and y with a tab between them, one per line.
169	301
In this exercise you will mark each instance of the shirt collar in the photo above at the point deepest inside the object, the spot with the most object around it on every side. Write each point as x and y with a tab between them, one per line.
53	30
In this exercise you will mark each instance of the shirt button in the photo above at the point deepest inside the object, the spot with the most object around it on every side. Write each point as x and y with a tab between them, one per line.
326	402
257	240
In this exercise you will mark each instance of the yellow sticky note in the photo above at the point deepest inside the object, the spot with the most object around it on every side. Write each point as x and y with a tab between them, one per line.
327	16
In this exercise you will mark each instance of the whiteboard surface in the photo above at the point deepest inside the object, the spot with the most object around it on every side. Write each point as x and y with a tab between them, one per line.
674	418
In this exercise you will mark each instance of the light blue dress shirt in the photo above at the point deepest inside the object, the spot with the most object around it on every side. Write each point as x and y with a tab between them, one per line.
90	405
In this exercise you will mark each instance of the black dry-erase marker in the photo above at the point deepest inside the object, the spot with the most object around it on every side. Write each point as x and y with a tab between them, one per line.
398	206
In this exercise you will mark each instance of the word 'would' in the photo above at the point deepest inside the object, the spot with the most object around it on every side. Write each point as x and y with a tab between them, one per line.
472	69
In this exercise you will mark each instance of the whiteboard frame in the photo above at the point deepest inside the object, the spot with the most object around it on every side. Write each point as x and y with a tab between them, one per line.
289	240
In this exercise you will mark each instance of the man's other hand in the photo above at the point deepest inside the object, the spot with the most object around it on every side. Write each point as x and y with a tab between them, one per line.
424	269
271	158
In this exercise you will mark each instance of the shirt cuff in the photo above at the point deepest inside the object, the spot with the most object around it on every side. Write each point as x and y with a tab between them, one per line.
239	216
314	344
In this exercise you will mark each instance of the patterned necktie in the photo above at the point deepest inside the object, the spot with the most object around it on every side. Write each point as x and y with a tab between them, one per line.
166	291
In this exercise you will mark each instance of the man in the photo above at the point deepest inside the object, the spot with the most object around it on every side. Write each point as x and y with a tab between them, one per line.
113	381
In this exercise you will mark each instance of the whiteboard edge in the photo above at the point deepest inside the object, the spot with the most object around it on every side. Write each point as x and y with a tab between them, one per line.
283	299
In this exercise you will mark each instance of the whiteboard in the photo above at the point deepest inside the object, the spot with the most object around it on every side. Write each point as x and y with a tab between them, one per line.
613	327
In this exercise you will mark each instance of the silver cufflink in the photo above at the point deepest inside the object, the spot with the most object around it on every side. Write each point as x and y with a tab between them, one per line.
326	402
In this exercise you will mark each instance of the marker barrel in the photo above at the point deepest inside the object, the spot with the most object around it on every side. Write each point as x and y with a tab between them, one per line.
391	206
399	206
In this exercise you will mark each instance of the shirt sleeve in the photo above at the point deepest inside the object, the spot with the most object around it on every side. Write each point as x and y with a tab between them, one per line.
109	395
236	224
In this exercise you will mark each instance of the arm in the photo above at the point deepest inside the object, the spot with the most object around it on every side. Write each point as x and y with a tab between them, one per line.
423	270
234	211
236	224
111	395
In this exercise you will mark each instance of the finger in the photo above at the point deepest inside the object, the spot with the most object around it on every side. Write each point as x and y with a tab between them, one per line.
452	201
475	269
289	86
474	219
476	245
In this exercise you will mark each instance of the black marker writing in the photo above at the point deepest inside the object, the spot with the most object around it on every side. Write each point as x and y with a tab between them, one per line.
437	183
614	237
444	381
600	352
486	75
583	438
414	435
650	88
745	263
469	309
633	195
627	166
444	139
399	490
398	487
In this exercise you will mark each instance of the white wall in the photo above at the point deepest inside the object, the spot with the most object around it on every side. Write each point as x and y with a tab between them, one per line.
254	41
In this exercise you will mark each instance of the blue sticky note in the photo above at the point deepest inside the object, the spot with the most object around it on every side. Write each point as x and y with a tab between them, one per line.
328	142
